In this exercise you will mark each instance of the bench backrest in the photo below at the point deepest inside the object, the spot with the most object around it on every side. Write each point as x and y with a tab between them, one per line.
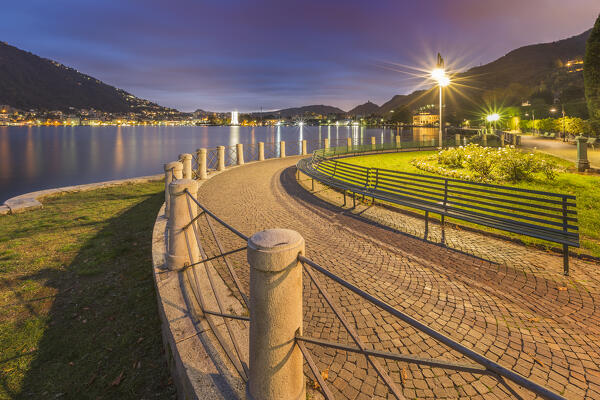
545	215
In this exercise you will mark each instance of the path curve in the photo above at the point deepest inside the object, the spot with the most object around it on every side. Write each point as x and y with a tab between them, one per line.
520	312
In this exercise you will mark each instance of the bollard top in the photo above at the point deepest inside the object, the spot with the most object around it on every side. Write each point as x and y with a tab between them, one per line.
201	150
185	155
173	165
179	185
273	250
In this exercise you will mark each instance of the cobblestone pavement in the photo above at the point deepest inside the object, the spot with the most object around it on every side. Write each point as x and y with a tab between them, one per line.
508	302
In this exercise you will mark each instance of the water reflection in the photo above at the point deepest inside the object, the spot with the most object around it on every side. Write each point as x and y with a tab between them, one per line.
35	158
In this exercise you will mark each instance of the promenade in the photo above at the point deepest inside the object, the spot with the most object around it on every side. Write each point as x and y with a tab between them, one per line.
509	302
560	149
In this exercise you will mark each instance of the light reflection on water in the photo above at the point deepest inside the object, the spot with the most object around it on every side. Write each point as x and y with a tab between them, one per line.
36	158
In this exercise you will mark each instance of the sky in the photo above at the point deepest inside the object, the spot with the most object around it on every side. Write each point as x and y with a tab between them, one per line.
222	55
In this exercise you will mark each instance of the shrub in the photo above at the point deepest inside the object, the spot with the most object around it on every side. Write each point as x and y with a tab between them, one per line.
486	164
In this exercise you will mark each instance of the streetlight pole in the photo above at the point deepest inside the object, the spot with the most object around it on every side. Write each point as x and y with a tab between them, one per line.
563	123
439	75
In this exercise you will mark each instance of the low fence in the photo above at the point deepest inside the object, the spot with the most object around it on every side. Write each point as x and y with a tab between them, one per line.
273	368
277	265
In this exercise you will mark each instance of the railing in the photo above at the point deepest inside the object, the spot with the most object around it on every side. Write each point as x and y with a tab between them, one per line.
185	237
542	215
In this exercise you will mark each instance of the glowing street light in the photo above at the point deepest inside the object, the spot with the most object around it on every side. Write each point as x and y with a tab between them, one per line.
439	75
493	118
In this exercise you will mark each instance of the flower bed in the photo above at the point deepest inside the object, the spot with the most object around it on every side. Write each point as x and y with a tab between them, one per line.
487	164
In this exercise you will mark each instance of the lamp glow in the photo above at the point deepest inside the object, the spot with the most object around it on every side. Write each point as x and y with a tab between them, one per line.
438	74
493	117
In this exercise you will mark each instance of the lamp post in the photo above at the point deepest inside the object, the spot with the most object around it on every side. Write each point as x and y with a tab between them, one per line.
493	118
563	123
439	75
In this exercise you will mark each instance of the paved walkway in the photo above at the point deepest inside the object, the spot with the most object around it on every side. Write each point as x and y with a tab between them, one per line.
516	309
560	149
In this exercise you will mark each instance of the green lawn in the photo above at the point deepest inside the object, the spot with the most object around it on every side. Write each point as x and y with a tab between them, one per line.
585	187
78	315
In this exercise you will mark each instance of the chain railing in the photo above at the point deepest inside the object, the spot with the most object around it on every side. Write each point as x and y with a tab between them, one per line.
192	233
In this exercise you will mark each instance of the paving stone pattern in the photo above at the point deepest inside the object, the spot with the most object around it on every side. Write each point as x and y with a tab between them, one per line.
506	301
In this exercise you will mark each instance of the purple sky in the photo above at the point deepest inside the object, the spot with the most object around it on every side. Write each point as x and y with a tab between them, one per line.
222	54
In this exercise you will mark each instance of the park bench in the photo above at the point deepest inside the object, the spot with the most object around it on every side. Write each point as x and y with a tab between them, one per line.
542	215
592	142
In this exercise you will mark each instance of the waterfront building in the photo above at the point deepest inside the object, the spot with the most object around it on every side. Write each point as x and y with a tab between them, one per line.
424	119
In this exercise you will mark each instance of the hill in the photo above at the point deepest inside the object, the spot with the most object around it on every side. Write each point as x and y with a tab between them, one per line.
31	82
307	111
365	109
534	72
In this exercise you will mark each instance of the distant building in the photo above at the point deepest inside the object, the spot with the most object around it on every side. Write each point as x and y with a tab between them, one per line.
574	66
234	118
424	119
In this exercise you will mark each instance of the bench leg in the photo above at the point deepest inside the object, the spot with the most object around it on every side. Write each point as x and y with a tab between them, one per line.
297	174
344	205
426	224
313	185
443	230
566	260
353	200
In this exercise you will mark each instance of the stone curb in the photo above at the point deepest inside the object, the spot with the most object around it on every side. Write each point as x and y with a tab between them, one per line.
199	367
31	201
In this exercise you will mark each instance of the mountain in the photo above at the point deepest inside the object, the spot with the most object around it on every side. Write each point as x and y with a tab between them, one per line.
367	108
31	82
538	71
307	111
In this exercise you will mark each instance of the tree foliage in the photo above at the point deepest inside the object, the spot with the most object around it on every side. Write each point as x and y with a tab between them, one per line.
591	75
401	114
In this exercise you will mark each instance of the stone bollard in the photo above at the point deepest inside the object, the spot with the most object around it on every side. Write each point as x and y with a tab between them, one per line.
349	143
282	149
326	143
182	251
186	160
465	140
457	139
261	151
582	159
220	158
484	139
398	141
240	153
304	152
373	144
173	170
201	155
515	140
276	363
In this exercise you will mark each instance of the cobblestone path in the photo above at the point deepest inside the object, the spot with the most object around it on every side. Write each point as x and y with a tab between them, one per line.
510	303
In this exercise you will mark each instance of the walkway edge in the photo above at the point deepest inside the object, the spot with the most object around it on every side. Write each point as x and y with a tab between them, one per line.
31	201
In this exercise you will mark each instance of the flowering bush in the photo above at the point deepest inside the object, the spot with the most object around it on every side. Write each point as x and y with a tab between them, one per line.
486	164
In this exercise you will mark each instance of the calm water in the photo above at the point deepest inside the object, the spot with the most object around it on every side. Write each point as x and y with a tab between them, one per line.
36	158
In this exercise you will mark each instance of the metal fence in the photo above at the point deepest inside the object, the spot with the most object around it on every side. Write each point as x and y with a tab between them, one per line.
231	346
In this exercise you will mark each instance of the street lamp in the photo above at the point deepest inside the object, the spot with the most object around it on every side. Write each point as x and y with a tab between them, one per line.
439	75
493	118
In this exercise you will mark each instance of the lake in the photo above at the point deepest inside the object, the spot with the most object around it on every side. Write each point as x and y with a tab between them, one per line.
42	157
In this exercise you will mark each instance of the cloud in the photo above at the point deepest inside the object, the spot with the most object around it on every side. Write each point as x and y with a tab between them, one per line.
224	54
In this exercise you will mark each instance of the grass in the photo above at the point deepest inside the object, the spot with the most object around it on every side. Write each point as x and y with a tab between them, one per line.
586	187
78	314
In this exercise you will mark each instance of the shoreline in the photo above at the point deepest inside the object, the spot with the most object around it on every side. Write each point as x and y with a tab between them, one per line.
31	201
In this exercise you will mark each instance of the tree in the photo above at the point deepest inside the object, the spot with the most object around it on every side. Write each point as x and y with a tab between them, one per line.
591	76
401	114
